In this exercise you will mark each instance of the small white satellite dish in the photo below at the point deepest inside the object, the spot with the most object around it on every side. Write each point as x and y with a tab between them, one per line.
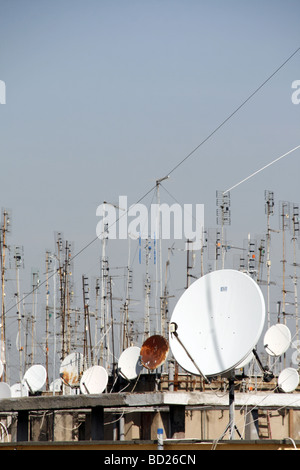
217	322
55	385
1	368
71	369
288	379
35	378
277	339
19	390
93	380
129	364
5	391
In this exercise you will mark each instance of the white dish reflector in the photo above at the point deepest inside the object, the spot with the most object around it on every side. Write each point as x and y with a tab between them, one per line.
93	380
218	321
129	364
288	379
277	339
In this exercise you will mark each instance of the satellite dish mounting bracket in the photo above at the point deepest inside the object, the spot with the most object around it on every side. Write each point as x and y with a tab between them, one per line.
173	331
267	374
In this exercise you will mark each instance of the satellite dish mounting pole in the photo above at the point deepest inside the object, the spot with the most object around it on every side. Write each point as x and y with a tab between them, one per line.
231	426
231	407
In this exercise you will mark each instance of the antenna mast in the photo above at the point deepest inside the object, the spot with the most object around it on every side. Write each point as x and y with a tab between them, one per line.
18	257
103	305
284	224
35	285
295	220
147	296
4	229
223	217
59	247
87	325
97	289
261	251
126	308
269	210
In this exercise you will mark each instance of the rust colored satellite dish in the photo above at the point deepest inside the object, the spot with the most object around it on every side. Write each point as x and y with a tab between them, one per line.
154	352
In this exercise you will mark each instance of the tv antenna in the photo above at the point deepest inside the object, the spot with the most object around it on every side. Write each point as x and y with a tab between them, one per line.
103	302
18	263
295	228
223	217
5	228
284	223
214	245
125	307
269	210
87	338
64	256
49	261
251	249
35	285
190	262
261	255
147	292
97	292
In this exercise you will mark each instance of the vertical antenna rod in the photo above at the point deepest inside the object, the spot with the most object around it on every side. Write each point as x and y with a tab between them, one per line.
285	223
4	229
295	220
223	217
269	209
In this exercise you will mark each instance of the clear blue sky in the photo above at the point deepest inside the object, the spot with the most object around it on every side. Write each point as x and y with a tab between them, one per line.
104	97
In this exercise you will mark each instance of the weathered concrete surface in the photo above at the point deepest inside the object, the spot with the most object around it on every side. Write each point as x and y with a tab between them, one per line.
116	400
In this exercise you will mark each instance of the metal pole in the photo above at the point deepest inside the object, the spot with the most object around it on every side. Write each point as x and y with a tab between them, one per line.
54	323
231	407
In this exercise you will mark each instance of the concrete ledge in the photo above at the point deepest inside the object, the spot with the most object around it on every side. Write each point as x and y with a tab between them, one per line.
184	445
121	400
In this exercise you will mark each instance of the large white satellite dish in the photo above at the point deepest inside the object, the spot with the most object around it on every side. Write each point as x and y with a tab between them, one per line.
129	364
5	391
35	378
217	322
93	380
246	361
288	379
277	339
71	369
